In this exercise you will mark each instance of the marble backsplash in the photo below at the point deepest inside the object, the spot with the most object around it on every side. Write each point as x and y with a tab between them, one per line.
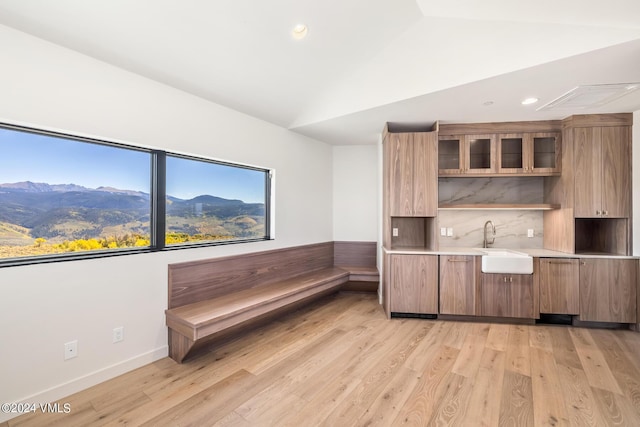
511	225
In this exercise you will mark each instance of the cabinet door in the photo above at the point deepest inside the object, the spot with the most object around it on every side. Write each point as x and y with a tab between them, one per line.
400	151
511	153
559	286
588	172
458	285
480	154
616	172
543	153
608	290
507	295
413	170
450	155
414	284
425	174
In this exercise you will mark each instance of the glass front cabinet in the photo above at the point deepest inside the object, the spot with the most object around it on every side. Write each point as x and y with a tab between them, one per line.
529	153
466	154
500	154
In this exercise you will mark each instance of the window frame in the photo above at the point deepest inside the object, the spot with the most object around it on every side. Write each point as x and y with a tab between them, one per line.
157	196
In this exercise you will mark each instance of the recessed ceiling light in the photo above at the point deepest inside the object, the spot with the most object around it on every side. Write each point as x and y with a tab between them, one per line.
529	101
299	31
487	103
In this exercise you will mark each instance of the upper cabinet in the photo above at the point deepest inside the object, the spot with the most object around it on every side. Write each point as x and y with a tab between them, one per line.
450	155
466	154
602	171
529	153
480	154
498	149
413	174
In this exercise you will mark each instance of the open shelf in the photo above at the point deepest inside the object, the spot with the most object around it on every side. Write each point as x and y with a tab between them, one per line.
500	206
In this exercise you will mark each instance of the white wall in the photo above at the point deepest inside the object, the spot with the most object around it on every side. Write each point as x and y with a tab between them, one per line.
46	305
355	192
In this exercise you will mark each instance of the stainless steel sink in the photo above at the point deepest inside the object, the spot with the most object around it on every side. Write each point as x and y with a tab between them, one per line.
497	260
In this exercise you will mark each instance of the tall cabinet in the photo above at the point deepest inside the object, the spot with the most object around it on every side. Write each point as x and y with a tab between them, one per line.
410	189
410	208
594	189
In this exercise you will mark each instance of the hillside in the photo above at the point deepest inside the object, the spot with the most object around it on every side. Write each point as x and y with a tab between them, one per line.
68	212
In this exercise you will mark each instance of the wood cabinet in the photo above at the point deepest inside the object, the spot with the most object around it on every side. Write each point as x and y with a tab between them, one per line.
450	155
608	289
536	153
459	279
529	153
602	157
559	286
507	295
413	174
413	284
466	154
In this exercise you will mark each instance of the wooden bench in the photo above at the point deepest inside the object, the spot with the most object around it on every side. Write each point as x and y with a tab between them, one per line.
213	298
360	260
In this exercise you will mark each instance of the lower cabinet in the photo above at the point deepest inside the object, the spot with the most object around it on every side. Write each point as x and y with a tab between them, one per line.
507	295
608	290
459	279
560	286
414	284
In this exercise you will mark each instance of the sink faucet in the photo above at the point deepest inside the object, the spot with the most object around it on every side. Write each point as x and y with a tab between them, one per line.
493	232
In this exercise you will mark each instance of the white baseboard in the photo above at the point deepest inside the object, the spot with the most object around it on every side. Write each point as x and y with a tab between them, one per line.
59	392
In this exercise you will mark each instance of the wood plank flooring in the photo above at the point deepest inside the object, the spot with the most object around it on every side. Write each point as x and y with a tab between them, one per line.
340	362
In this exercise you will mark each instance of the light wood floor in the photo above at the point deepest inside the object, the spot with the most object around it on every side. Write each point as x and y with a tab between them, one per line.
340	362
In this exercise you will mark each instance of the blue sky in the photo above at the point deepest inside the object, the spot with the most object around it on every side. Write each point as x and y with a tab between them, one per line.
187	179
42	158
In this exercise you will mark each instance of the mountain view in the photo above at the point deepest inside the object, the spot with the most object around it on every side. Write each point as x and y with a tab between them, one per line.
37	218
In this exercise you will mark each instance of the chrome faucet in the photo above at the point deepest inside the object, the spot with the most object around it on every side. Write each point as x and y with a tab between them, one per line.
493	232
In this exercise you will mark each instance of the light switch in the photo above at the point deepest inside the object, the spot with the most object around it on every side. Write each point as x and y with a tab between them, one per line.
395	232
449	232
530	232
443	231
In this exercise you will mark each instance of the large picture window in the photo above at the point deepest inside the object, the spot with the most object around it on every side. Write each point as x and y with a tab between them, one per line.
64	197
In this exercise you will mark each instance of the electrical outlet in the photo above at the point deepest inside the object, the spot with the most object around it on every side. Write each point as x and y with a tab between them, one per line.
530	232
118	334
449	232
443	231
395	232
70	350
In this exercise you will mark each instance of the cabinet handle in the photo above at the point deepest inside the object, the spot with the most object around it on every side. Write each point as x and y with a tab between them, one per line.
559	262
505	279
458	260
605	213
511	279
598	213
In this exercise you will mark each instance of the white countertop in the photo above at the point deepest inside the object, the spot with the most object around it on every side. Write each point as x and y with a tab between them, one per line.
539	253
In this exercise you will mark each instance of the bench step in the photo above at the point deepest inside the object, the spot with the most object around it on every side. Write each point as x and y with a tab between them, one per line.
362	274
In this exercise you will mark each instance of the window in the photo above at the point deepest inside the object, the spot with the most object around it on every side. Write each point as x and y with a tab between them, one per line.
210	201
65	197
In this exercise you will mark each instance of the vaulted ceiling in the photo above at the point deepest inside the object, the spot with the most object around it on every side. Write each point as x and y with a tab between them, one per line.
363	62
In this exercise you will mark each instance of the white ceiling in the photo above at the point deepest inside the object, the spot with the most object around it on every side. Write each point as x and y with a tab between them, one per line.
364	62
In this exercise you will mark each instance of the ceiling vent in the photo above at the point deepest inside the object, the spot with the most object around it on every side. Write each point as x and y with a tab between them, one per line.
590	96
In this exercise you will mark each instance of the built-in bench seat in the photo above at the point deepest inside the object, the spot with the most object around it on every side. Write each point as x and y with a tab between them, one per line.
209	298
359	259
